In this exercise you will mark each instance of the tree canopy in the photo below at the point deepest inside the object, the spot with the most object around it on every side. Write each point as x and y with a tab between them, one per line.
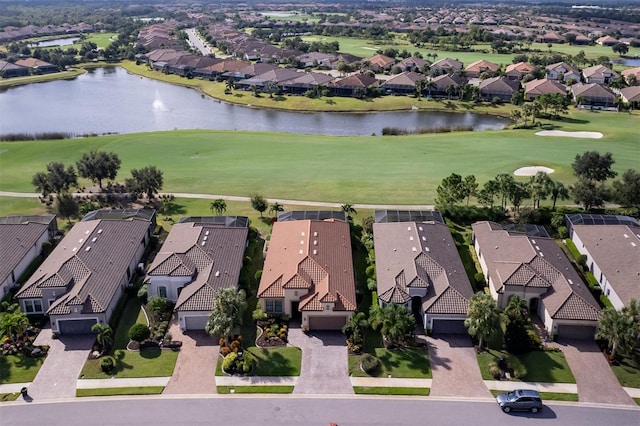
483	318
259	203
98	165
147	180
67	206
56	179
229	305
594	166
219	206
627	190
394	322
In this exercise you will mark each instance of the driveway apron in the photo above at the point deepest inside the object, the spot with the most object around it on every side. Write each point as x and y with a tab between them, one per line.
594	378
454	367
195	370
324	363
59	373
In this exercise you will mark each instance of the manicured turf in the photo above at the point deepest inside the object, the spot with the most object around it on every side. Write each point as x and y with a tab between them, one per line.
397	363
5	397
140	390
364	390
628	373
19	369
254	389
272	362
542	366
402	170
16	81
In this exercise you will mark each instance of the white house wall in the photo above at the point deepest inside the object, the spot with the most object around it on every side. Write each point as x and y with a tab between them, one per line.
171	283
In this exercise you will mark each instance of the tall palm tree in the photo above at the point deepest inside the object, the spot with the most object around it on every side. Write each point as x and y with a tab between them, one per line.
420	85
612	328
558	190
430	85
104	335
276	208
219	206
483	319
230	84
356	325
13	323
394	322
517	308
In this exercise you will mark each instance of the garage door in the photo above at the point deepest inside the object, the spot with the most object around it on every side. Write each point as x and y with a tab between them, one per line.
76	326
578	332
327	323
195	323
448	326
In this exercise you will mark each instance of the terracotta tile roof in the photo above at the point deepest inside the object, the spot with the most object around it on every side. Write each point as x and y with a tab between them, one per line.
520	67
512	258
447	63
313	254
543	85
211	253
420	255
356	80
482	66
592	90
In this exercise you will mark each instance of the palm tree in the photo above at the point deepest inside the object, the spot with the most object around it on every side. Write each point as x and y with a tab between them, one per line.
13	323
483	319
420	85
558	190
394	322
429	85
612	328
229	85
450	89
104	335
517	308
356	325
276	208
219	206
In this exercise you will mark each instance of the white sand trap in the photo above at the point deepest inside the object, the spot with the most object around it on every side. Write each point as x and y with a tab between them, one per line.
586	135
532	170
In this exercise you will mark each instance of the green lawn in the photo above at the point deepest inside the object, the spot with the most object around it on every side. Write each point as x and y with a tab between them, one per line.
342	169
272	362
397	363
628	373
542	366
19	369
152	362
364	390
16	81
139	390
6	397
254	389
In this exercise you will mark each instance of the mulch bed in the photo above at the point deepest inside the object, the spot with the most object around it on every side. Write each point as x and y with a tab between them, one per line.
263	342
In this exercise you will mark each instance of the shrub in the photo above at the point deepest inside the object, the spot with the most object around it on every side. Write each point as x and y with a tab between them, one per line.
142	293
479	278
107	364
370	364
225	350
371	271
494	370
518	369
582	262
563	232
259	315
139	332
229	361
222	342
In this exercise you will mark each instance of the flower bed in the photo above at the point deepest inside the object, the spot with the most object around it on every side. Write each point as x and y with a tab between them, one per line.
273	333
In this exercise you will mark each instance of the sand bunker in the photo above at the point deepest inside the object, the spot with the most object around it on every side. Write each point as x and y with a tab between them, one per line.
532	170
586	135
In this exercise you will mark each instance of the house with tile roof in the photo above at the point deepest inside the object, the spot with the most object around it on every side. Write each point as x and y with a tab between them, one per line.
199	257
632	76
607	41
412	63
21	239
482	66
445	66
535	88
308	273
447	85
630	94
380	63
403	83
418	266
306	81
613	257
81	281
349	86
502	88
519	70
599	74
37	66
8	70
534	267
593	96
563	72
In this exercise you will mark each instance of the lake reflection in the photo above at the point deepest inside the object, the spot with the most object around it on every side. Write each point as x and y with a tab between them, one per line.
110	100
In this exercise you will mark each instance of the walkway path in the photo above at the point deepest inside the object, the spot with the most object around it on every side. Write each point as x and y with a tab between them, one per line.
324	362
454	367
195	370
59	373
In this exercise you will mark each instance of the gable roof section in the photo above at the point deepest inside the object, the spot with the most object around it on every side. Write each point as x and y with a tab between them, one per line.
16	240
592	90
311	254
482	65
211	253
356	80
420	255
598	71
558	66
520	67
381	60
616	251
90	262
544	85
522	260
499	84
447	64
404	79
631	93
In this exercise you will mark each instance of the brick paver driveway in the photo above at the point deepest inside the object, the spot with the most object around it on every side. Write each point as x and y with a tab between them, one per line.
594	378
58	375
195	371
324	362
454	367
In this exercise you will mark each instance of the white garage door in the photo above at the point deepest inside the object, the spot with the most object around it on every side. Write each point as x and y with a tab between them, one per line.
195	322
82	326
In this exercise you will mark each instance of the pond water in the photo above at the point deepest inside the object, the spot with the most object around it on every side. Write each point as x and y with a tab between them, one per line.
57	42
630	62
110	100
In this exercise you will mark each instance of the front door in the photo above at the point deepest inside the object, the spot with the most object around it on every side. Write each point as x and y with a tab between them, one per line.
296	315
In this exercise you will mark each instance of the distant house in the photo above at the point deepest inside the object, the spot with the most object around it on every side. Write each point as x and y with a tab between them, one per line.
222	66
275	75
37	66
477	68
631	95
81	281
308	273
528	263
563	72
345	58
612	247
21	239
445	66
8	70
418	266
593	96
535	88
550	37
199	257
403	83
519	70
379	63
353	85
250	70
315	59
447	85
607	41
306	81
599	74
412	64
498	87
632	76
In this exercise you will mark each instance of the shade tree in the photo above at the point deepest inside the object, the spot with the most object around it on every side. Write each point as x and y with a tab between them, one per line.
227	313
98	165
56	179
259	203
147	180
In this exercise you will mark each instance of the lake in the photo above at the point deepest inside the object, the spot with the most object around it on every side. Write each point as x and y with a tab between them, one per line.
68	41
110	100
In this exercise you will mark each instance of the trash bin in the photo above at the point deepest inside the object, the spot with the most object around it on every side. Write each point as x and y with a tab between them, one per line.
23	391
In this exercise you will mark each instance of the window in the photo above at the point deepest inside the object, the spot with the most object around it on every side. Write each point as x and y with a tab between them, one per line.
162	291
274	306
33	306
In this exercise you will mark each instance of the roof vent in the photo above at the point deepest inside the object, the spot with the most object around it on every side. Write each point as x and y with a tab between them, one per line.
414	249
203	243
93	240
541	254
88	248
533	241
420	228
217	273
537	248
302	234
74	249
315	252
99	231
205	238
408	228
300	252
206	233
81	240
315	242
411	238
315	234
426	249
626	235
86	232
424	238
301	242
570	282
633	244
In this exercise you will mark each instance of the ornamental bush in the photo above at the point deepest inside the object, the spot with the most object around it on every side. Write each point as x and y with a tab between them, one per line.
107	364
370	364
229	362
139	332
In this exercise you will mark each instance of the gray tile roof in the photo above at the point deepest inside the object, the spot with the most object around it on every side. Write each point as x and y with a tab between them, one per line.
89	262
420	255
210	251
521	260
16	240
616	251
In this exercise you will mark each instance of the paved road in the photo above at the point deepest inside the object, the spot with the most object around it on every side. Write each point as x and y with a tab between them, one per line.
299	410
196	42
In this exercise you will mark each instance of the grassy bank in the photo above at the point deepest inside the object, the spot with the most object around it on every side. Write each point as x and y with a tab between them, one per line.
365	169
63	75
